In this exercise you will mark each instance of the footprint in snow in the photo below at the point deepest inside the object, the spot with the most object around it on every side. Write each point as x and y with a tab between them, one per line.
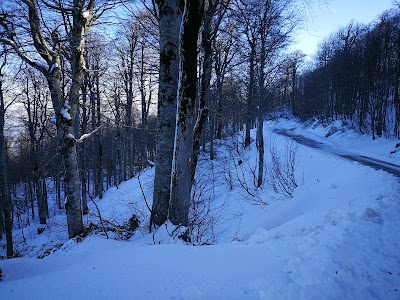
372	216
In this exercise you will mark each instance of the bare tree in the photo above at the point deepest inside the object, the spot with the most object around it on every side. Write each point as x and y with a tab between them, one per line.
77	19
170	17
5	197
35	102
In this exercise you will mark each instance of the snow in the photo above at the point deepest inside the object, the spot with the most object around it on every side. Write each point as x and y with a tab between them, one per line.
86	14
53	119
64	111
52	67
336	238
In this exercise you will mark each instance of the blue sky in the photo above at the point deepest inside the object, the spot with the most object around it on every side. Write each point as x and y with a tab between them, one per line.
327	18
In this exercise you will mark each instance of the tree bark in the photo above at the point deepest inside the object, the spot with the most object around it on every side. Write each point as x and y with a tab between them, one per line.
181	183
170	16
206	38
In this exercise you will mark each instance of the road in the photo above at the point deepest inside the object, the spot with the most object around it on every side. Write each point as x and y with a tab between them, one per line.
368	161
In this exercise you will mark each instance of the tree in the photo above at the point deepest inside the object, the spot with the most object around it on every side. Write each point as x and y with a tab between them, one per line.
78	19
249	22
5	197
365	94
292	65
35	102
214	12
270	27
170	17
181	182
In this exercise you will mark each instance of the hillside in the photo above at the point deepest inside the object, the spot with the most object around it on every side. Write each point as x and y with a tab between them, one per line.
334	236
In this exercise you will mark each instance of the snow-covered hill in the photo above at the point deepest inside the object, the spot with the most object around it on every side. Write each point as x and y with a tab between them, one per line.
337	237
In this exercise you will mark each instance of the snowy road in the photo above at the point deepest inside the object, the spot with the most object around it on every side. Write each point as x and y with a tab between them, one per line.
368	161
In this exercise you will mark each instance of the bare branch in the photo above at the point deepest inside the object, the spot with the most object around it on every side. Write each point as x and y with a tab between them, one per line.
88	135
37	65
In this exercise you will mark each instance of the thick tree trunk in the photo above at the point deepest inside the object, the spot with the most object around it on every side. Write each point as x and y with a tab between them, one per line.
65	113
169	24
205	84
181	183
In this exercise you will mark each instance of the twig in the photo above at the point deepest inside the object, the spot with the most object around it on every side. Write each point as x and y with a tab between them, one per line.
144	196
98	211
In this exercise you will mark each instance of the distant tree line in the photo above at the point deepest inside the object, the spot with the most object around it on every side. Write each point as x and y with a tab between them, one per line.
356	78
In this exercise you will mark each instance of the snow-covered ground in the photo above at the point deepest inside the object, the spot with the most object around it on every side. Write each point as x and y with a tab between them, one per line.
337	237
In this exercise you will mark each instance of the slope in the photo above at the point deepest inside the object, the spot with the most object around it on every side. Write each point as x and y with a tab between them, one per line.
337	237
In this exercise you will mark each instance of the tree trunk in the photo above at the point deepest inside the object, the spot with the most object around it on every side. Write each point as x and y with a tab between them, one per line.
68	142
205	83
212	131
29	191
100	176
250	99
181	183
219	106
118	176
260	118
65	113
143	133
5	197
82	152
129	154
169	23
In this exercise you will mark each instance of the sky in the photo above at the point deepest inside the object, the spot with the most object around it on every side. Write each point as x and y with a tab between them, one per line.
329	17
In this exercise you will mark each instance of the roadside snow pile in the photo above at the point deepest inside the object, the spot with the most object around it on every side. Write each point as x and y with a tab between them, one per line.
336	238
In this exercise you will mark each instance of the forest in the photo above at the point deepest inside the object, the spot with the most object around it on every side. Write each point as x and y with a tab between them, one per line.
93	93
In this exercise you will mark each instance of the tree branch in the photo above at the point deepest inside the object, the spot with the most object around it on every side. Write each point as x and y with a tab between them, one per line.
38	66
88	135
